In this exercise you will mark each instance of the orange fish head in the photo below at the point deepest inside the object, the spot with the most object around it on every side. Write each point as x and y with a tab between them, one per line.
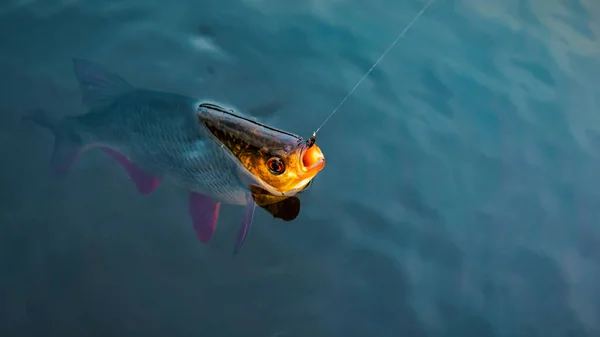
279	162
290	170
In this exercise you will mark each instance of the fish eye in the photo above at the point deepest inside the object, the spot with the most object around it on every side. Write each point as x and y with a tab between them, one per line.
276	165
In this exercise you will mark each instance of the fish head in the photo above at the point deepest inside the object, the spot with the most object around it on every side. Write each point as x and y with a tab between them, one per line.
278	162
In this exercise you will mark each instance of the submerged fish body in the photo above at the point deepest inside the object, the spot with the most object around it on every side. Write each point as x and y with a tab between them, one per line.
159	132
219	156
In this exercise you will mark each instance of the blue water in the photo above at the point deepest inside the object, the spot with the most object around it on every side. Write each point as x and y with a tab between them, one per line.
460	196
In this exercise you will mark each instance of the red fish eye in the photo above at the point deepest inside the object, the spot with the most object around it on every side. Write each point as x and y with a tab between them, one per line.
275	165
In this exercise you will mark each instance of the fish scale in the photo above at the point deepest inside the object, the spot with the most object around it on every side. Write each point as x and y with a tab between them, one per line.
164	137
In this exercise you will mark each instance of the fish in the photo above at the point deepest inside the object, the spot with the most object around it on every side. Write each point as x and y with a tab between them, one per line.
217	155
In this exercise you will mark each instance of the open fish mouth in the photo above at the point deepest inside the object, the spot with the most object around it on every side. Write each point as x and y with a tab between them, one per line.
312	157
311	163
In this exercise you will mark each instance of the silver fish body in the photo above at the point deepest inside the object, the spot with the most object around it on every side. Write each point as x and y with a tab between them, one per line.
160	132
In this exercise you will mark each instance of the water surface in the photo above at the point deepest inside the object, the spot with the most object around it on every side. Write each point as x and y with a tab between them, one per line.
459	199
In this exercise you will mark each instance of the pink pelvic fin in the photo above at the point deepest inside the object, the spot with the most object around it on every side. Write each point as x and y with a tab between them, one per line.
144	182
204	212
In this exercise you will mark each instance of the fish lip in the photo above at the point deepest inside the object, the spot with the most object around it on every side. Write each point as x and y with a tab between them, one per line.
318	166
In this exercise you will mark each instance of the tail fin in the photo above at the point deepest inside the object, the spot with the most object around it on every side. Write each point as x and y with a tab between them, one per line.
67	143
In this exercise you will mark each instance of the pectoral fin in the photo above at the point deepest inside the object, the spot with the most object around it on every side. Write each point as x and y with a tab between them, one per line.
246	224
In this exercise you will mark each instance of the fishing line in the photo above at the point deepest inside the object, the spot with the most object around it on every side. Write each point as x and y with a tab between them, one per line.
400	36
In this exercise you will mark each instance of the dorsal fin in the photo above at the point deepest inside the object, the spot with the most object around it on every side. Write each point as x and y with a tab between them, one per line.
98	85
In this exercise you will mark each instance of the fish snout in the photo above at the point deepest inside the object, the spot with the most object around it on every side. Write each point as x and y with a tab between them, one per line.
313	159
